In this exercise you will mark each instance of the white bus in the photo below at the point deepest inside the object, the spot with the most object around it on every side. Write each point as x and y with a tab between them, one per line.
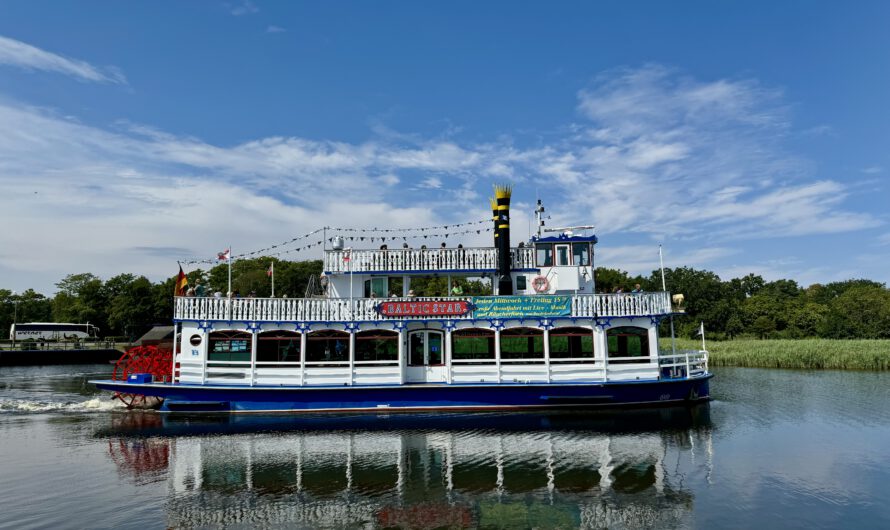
52	331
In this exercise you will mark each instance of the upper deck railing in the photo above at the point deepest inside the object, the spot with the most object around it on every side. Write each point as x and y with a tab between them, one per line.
364	309
424	259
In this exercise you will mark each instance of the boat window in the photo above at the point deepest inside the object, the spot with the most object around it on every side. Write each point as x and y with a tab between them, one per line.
278	346
628	341
581	254
229	346
472	344
327	345
544	253
562	256
377	345
571	343
375	288
522	343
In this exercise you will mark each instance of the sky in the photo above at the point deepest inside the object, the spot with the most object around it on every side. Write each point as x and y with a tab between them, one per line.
744	137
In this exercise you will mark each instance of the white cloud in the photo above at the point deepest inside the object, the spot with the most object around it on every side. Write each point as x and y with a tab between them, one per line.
656	153
275	29
19	54
244	7
873	170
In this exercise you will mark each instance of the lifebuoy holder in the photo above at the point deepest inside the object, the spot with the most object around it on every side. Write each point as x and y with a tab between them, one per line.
541	284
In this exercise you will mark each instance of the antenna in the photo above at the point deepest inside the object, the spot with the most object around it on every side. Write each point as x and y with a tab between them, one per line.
569	229
539	215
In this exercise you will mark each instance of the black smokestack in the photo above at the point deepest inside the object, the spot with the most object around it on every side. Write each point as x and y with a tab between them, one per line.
501	206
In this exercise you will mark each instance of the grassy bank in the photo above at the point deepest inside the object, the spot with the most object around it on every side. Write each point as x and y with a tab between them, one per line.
803	353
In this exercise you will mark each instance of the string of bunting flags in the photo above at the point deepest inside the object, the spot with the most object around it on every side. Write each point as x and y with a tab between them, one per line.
424	232
434	235
413	229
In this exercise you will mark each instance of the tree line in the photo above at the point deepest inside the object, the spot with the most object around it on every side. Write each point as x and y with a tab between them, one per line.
127	305
753	307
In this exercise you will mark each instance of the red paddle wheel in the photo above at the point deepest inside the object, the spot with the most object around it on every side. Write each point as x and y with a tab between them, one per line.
143	360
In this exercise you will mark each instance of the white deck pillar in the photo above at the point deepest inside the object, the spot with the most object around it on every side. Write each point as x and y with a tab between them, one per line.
448	356
303	356
403	361
351	357
253	340
497	351
601	350
547	351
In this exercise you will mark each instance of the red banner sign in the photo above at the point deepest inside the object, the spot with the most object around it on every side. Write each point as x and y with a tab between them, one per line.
423	308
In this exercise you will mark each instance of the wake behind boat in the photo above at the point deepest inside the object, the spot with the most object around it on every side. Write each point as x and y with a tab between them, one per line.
545	339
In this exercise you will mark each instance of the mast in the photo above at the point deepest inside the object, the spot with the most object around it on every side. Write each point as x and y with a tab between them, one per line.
502	238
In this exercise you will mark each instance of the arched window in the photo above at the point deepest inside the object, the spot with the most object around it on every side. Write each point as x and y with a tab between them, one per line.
628	341
377	345
229	346
522	343
278	346
571	343
472	343
327	345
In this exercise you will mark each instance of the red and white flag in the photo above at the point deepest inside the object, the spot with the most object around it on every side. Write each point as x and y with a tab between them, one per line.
346	255
271	270
224	256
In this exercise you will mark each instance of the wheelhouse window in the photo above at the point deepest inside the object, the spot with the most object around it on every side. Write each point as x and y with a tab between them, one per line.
571	343
544	253
628	341
327	345
377	345
521	283
562	256
278	346
229	346
522	343
581	254
472	344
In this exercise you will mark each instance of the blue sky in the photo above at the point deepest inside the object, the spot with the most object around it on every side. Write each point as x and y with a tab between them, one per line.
744	136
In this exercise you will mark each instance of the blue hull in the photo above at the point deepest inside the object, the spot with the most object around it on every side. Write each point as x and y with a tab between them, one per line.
419	397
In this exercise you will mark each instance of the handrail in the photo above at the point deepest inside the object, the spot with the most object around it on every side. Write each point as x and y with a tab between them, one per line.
424	259
364	309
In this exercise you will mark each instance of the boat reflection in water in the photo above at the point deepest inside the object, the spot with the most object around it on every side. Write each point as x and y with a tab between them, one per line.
431	471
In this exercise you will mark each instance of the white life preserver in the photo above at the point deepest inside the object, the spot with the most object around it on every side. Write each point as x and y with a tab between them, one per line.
541	284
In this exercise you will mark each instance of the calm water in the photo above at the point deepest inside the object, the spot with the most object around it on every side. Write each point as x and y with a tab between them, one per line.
775	449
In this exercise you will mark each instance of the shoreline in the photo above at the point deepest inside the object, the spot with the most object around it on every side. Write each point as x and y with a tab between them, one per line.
809	354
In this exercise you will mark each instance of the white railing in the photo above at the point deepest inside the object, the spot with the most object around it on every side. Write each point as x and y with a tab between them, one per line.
363	309
431	259
621	305
683	363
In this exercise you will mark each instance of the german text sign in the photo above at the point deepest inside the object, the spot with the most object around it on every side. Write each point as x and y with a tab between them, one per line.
522	306
423	308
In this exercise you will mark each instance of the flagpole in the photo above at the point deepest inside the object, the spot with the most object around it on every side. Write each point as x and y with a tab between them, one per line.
664	288
351	312
230	271
273	279
702	330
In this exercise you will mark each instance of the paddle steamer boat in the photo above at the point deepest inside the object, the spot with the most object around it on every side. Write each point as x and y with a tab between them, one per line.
543	339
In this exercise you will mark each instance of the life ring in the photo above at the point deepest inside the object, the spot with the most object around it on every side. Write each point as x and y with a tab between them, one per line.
540	284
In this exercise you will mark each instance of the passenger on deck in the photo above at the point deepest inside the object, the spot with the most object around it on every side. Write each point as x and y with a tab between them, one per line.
199	289
637	289
410	293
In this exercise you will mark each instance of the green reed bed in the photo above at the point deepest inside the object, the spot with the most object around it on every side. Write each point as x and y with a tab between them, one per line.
802	353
